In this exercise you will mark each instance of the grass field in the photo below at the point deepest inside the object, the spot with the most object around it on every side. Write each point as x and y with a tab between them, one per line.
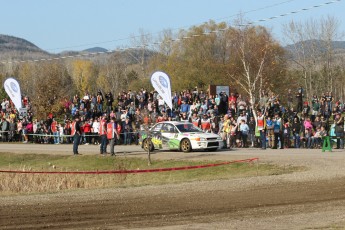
40	183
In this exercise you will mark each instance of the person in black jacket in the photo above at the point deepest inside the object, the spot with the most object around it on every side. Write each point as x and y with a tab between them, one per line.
296	130
4	129
76	130
110	99
251	135
299	97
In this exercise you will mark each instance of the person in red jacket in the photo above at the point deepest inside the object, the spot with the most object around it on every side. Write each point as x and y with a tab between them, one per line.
87	132
30	128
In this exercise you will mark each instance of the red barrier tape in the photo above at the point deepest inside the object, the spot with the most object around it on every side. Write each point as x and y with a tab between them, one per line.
134	171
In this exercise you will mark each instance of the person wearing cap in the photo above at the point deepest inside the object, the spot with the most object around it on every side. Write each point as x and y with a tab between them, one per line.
75	133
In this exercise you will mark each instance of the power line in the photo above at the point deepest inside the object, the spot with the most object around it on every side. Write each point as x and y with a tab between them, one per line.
137	36
174	40
251	11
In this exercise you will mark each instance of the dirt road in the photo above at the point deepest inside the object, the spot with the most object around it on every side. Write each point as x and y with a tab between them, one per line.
311	199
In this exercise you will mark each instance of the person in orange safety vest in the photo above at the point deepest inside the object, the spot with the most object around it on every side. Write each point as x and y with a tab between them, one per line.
205	124
195	120
111	134
55	131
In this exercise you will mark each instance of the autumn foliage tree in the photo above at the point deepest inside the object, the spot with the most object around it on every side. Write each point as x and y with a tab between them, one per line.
247	58
197	61
46	84
83	73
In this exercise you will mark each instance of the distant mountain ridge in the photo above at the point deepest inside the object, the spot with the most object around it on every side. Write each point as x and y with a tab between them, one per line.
319	45
14	48
338	44
95	50
335	44
11	43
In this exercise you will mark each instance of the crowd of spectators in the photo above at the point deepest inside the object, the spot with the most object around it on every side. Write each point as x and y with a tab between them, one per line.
302	122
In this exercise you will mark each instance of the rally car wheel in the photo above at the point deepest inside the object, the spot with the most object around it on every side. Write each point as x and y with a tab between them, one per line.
148	145
186	145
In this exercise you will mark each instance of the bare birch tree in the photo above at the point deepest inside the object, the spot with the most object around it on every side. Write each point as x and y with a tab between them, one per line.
140	51
313	52
254	52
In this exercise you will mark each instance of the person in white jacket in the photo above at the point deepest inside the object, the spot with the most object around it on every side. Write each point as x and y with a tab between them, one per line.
95	131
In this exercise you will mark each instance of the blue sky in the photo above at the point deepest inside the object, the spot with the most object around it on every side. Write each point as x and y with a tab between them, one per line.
80	24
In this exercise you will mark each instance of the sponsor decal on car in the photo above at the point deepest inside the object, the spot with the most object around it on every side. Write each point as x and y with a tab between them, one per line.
174	144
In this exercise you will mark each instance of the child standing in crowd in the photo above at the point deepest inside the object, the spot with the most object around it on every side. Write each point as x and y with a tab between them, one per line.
270	133
244	129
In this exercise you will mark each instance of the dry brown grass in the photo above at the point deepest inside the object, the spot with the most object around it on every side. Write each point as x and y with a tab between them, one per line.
38	183
17	183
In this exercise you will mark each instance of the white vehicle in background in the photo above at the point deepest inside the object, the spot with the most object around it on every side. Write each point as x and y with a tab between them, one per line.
182	136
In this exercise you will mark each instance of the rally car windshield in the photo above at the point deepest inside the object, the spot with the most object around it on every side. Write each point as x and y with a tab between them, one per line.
188	128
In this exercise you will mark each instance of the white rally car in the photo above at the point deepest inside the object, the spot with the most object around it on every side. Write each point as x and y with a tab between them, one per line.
174	135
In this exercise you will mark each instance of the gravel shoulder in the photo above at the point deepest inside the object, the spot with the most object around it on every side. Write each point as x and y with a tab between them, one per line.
314	198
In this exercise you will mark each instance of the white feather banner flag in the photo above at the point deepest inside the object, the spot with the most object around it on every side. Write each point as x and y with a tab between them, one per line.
161	83
12	88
